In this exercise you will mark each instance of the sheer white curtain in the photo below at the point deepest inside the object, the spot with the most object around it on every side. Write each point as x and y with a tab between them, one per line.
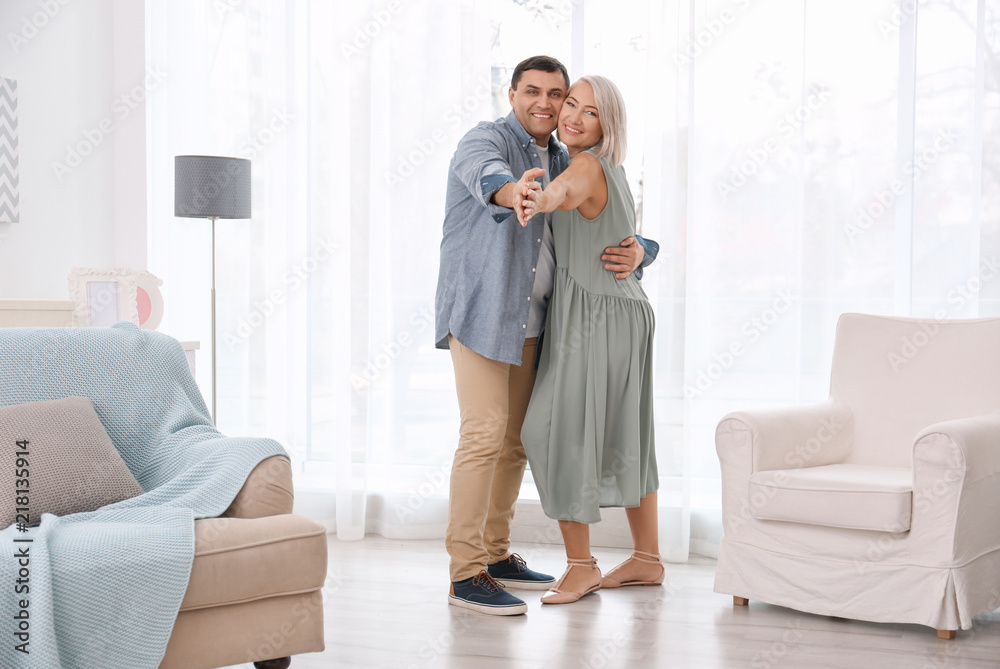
794	160
350	113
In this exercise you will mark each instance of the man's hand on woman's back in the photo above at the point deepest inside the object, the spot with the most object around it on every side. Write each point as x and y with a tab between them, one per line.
625	258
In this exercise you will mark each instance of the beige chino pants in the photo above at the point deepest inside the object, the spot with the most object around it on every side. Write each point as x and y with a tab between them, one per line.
489	463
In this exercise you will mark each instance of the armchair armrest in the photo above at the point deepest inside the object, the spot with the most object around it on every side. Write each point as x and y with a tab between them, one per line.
267	491
956	490
789	438
785	438
978	442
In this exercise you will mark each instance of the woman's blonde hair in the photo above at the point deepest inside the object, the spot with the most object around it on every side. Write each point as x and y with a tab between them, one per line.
611	114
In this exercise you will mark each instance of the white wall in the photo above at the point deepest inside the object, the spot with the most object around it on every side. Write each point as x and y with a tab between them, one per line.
134	84
70	81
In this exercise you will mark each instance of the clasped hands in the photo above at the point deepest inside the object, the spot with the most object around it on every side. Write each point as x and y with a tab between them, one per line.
529	198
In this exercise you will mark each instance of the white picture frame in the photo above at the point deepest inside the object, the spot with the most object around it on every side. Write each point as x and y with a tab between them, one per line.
104	297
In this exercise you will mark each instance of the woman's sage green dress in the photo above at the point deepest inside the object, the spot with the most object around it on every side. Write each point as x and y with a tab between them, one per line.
588	432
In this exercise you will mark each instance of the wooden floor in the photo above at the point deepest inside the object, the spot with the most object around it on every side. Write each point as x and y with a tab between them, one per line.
386	606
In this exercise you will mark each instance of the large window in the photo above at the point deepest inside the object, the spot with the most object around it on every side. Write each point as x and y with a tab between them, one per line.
794	160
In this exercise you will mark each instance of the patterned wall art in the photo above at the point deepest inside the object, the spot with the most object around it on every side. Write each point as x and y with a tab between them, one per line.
9	204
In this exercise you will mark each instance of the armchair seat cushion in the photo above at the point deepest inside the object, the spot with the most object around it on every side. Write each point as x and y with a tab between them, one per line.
240	560
860	497
255	592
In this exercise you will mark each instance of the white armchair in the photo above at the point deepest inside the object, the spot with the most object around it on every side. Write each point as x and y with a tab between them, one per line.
881	503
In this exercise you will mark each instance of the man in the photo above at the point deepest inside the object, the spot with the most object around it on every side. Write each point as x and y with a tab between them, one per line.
494	284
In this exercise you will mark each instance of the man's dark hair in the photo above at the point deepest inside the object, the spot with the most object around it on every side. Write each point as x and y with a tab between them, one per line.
543	63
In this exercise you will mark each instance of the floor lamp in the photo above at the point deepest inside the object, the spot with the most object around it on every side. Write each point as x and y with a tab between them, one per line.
212	187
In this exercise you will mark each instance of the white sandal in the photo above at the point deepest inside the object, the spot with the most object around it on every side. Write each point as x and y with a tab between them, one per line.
557	596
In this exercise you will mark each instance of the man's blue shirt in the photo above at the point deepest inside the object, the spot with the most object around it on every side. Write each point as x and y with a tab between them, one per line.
487	259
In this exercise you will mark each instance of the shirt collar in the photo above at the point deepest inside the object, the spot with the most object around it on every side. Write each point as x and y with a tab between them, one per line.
555	146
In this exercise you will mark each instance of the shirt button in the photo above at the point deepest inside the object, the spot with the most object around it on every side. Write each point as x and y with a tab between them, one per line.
532	269
524	325
539	240
529	299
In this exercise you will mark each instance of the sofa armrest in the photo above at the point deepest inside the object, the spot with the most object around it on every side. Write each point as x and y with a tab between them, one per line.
267	491
785	438
790	438
956	490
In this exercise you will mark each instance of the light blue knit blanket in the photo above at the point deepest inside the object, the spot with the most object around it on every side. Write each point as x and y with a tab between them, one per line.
106	586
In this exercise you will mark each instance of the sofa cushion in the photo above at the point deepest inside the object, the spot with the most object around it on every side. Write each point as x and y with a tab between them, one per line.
68	464
860	497
245	559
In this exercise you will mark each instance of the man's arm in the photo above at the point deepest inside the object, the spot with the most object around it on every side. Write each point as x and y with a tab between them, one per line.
630	256
482	165
651	248
509	194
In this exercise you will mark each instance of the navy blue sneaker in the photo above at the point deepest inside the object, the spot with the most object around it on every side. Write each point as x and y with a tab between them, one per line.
514	573
482	593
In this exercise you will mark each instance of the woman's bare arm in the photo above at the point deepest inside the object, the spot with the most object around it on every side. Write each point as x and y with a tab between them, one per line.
583	182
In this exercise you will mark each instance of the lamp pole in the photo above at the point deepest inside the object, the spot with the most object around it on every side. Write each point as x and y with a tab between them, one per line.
215	415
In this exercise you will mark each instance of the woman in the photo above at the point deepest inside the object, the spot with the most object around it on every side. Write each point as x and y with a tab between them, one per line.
588	433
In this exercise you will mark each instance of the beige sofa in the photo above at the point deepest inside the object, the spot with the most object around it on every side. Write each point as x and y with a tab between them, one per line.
255	593
255	589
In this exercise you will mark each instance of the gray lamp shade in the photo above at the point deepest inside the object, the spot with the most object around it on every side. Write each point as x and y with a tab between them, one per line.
211	187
